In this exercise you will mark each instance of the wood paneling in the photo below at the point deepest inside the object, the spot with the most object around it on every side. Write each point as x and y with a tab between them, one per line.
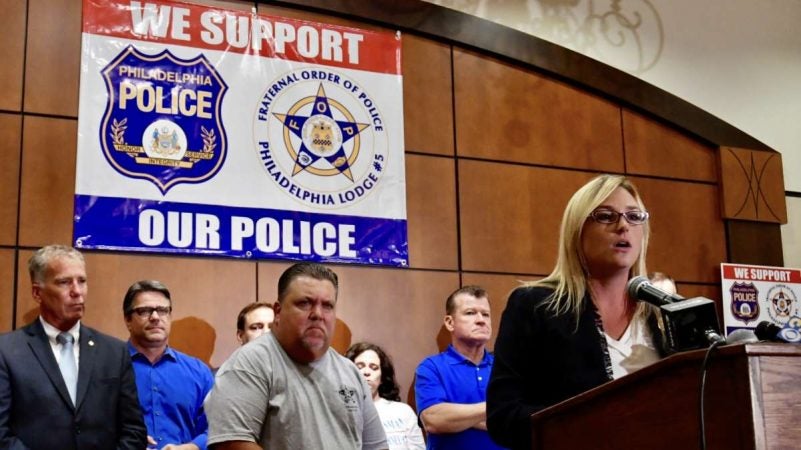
753	185
526	50
12	48
48	181
655	149
6	289
427	96
273	10
400	310
431	212
511	114
510	215
53	55
10	133
688	241
754	243
710	291
206	296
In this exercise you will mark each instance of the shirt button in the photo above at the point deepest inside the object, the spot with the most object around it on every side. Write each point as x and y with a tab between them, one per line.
479	378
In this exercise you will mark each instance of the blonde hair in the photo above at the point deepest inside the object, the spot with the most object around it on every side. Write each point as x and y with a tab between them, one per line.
569	278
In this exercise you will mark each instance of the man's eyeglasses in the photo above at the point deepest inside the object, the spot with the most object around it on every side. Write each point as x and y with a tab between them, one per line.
147	311
607	216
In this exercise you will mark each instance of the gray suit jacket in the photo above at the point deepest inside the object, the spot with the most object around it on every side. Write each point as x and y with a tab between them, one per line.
35	408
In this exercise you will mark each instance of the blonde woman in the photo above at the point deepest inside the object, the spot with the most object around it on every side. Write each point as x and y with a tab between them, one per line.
576	328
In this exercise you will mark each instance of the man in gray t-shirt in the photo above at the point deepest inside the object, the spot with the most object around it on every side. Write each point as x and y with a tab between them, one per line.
288	389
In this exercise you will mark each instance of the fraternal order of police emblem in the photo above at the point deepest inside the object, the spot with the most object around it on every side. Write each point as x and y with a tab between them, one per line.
782	303
744	301
348	396
163	119
321	138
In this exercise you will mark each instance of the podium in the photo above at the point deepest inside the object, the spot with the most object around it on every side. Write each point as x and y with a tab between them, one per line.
752	401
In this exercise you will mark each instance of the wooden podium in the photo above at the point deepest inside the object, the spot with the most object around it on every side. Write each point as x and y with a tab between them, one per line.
753	401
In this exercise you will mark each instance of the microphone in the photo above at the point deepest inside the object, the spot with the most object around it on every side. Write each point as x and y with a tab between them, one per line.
689	323
640	288
769	331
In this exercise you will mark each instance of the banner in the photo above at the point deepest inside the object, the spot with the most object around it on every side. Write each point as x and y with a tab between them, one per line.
204	130
752	294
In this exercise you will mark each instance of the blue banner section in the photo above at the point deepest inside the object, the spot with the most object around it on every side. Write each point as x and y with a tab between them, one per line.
165	227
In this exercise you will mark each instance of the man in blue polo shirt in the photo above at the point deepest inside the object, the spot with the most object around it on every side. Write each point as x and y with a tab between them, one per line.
451	387
171	385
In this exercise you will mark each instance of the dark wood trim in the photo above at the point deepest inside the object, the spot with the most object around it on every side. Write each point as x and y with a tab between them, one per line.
456	28
754	243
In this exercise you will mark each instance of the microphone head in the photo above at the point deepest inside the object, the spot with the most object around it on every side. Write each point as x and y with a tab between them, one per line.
767	331
634	285
741	336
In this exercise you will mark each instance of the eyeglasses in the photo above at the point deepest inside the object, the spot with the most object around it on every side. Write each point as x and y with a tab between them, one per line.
147	311
607	216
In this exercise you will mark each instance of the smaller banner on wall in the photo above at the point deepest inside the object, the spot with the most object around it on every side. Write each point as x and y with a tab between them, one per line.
754	294
214	131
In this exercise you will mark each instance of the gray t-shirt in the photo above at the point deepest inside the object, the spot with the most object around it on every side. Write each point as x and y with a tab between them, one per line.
261	395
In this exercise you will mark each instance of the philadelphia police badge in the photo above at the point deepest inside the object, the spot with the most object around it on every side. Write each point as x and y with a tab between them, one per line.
163	119
744	301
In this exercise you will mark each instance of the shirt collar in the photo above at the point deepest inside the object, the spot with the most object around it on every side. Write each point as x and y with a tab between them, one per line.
454	357
168	352
52	332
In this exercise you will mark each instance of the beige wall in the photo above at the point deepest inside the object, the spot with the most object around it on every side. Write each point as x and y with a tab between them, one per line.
493	153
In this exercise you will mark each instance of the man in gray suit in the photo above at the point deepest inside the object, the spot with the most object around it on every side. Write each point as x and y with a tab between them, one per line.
56	395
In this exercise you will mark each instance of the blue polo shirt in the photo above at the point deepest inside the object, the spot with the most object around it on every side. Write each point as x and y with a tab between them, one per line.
171	393
449	377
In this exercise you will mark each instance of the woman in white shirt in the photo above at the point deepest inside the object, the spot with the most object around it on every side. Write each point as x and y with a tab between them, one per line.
399	420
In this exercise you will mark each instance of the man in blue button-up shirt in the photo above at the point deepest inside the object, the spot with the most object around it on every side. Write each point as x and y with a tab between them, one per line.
171	385
451	387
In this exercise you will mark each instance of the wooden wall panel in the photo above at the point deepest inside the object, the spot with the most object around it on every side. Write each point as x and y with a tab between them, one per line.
427	96
655	149
12	53
710	291
6	289
53	57
48	181
293	13
511	114
431	212
400	310
10	135
688	241
753	185
206	294
510	215
754	243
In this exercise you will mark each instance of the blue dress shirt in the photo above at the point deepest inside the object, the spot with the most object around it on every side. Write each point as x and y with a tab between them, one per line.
171	393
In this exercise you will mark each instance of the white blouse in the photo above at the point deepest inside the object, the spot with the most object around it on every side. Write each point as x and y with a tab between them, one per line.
633	351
